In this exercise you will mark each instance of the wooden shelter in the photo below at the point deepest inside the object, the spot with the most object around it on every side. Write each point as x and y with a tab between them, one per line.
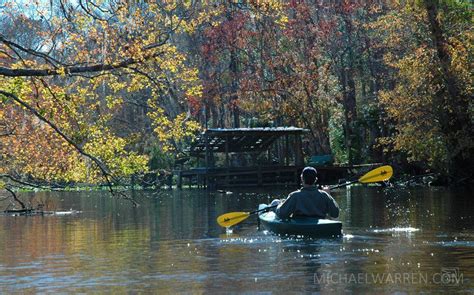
246	157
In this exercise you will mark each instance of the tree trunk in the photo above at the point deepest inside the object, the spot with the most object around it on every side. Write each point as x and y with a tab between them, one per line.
454	104
349	97
234	108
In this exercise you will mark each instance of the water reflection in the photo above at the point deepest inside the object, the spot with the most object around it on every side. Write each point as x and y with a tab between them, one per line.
172	243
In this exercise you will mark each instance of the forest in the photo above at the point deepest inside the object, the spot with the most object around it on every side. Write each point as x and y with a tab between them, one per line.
95	91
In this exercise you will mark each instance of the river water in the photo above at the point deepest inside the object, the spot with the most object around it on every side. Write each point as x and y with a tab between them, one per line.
395	240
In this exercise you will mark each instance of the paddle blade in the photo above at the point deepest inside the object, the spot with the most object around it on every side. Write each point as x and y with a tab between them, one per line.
230	219
379	174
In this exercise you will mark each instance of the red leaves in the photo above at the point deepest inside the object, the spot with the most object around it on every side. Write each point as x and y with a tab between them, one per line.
230	34
194	104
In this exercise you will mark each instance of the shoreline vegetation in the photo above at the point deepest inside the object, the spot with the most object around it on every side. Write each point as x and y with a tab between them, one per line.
422	180
96	94
401	181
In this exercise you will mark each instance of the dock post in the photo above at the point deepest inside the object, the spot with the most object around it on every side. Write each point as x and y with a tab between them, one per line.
179	181
259	176
299	161
227	165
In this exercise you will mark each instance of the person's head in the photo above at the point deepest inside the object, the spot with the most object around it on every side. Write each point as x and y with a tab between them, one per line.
309	176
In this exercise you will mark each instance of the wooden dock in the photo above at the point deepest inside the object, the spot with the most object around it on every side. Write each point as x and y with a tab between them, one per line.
263	176
253	157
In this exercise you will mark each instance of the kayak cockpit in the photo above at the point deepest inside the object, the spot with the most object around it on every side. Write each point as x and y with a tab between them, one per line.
299	226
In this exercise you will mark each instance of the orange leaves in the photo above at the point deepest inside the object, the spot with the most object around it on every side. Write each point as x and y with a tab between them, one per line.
35	150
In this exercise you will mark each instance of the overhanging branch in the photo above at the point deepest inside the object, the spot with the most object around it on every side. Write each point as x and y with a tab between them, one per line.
105	173
70	70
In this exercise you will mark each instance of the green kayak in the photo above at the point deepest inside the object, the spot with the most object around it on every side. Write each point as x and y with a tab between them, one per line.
300	226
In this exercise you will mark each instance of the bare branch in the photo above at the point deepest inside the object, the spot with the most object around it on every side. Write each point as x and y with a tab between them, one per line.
72	69
46	57
88	11
23	206
22	182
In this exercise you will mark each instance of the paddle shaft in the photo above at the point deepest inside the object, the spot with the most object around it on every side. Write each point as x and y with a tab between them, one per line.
274	206
331	187
382	173
264	209
343	184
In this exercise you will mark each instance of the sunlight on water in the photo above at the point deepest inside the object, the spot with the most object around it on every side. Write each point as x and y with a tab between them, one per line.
172	244
70	212
249	240
456	243
397	230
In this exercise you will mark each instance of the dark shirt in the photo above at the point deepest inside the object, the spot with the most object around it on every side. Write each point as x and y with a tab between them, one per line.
308	201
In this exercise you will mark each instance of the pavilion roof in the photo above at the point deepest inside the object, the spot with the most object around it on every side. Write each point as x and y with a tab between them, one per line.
241	139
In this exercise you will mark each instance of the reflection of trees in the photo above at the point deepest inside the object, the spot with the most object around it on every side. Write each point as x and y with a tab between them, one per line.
110	237
169	243
366	207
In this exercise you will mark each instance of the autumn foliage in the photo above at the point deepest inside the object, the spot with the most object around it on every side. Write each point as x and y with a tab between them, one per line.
89	89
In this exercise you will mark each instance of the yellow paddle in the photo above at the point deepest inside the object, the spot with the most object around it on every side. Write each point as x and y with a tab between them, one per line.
382	173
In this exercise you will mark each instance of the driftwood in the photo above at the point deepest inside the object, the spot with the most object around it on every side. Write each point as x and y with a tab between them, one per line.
35	212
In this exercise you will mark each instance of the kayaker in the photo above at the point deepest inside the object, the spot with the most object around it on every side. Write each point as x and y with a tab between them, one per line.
308	201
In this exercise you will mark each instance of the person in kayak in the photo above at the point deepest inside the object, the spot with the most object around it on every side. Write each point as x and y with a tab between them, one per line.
308	201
